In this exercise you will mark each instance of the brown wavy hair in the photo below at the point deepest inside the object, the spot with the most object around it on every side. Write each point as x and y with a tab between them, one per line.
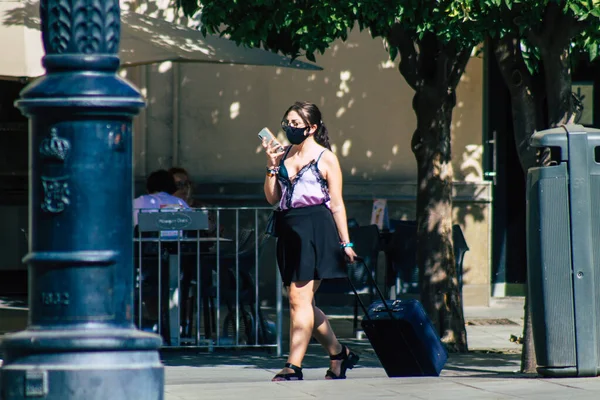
311	115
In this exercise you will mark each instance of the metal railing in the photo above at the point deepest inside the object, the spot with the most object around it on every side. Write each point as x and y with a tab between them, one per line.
175	248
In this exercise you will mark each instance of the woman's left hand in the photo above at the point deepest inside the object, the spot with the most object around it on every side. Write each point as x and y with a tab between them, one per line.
350	254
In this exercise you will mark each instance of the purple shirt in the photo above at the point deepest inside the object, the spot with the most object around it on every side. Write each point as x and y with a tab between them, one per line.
307	188
156	201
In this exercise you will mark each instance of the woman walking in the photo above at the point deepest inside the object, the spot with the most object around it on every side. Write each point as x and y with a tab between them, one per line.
313	244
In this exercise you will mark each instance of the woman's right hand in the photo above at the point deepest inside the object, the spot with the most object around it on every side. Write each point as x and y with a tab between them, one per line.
274	152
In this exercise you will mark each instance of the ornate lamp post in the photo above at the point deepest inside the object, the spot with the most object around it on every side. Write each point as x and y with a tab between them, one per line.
80	342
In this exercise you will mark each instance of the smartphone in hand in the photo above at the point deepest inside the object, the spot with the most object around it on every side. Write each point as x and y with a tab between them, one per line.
265	133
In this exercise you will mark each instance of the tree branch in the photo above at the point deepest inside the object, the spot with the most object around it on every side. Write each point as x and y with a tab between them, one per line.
550	23
446	56
510	59
577	27
521	87
551	19
535	38
458	68
557	30
428	61
401	39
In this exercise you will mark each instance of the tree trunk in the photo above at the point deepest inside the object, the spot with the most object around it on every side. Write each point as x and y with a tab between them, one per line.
525	97
557	65
433	72
435	254
528	357
554	43
527	112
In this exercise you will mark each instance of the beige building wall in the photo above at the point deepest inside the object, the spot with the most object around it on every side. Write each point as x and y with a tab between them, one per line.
366	104
206	118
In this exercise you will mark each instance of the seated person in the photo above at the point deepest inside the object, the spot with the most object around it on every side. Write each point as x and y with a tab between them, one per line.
160	186
183	186
184	192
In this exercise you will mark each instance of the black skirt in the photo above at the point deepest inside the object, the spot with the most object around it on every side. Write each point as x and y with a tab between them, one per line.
308	246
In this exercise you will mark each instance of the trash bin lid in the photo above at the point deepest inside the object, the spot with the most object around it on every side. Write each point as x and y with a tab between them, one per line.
554	137
559	137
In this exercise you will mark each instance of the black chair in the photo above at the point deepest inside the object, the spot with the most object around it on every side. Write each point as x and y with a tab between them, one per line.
401	256
245	289
366	245
352	223
253	323
254	327
148	254
147	280
460	248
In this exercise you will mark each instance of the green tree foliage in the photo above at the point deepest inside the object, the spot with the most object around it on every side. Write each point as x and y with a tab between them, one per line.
293	28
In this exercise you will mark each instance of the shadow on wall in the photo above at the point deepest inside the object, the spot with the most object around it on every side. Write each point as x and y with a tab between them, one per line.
475	198
367	108
157	9
366	103
23	15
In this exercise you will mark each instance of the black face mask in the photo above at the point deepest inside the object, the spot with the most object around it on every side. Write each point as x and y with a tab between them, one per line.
295	135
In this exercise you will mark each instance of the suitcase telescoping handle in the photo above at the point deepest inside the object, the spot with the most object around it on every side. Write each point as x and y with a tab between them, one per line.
388	309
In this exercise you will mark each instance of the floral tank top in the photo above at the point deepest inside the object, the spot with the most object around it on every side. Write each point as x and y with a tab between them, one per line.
307	188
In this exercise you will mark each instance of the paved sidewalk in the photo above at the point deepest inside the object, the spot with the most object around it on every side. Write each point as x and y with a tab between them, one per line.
488	371
477	375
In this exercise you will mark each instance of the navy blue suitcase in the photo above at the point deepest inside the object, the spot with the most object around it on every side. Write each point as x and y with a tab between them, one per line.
403	337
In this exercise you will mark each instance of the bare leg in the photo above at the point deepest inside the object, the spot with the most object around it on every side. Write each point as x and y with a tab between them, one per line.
325	336
324	333
301	321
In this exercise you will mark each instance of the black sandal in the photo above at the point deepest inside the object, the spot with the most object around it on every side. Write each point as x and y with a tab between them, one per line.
293	376
349	360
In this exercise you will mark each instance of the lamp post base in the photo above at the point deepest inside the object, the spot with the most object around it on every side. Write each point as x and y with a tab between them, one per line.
117	364
80	342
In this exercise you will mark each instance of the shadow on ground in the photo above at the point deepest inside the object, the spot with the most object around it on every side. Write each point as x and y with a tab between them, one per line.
473	364
486	364
316	357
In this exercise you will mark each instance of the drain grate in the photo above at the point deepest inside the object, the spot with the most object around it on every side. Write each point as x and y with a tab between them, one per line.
491	321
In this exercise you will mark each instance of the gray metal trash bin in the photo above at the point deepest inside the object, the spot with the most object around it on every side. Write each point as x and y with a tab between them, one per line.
563	252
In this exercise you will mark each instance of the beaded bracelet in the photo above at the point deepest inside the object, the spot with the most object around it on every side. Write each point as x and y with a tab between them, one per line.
346	244
272	171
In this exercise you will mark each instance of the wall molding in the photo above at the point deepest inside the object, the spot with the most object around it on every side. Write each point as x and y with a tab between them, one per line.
463	192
